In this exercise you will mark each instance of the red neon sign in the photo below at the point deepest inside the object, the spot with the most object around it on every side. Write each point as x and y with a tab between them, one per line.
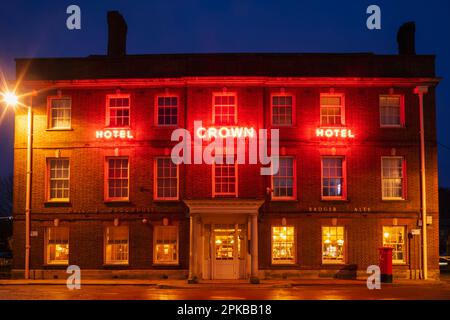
123	134
225	132
334	133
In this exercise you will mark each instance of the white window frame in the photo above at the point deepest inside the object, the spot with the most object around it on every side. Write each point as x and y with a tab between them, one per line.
344	258
155	234
47	244
156	177
105	244
295	245
236	173
228	94
49	180
293	109
106	196
294	182
342	107
157	109
344	178
403	161
108	109
50	120
401	111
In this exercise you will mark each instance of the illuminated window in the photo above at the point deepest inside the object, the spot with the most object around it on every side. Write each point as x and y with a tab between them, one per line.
118	111
166	245
391	112
60	113
284	180
58	179
394	237
116	245
393	178
57	245
118	178
166	179
283	245
333	178
224	109
224	179
282	110
167	111
333	245
331	109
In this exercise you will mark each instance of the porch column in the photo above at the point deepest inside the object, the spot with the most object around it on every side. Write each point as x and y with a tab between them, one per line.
192	249
254	249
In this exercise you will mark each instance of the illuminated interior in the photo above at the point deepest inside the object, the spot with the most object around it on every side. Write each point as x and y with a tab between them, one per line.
333	245
283	245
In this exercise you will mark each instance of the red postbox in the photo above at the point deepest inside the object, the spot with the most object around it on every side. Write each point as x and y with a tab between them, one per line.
386	264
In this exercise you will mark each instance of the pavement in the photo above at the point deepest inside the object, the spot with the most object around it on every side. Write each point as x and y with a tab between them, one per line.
307	289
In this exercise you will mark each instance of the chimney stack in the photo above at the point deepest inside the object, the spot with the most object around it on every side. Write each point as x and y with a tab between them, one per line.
406	39
117	34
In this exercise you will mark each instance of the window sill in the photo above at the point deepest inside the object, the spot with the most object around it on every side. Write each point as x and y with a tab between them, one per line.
284	265
334	200
115	265
55	265
333	264
111	201
176	264
59	129
393	127
284	200
57	204
166	200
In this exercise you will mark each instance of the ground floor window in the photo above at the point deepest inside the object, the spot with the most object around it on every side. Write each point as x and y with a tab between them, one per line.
283	245
394	237
116	245
333	245
165	245
57	245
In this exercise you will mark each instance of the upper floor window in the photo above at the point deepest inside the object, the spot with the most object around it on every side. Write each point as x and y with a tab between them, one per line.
166	179
165	245
118	110
333	178
57	245
224	109
117	182
391	111
282	110
60	113
116	245
167	110
283	183
332	109
224	179
58	177
393	180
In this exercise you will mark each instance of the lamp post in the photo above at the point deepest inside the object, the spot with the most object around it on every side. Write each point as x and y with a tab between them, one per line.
11	99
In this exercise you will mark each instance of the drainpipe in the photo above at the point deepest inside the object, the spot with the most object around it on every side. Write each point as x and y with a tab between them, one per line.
420	91
28	189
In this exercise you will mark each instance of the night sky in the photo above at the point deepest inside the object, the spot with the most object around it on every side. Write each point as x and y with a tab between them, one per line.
38	29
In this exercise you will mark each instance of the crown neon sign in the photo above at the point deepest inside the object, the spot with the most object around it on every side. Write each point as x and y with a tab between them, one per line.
334	133
225	132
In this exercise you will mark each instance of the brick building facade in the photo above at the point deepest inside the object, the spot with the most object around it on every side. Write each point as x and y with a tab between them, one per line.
114	203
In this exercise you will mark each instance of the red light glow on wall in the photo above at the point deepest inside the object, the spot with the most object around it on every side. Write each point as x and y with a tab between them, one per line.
334	133
123	134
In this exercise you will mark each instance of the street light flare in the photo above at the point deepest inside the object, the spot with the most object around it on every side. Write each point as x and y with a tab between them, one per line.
10	98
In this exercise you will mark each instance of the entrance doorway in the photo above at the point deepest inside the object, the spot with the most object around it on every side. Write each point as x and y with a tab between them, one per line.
228	246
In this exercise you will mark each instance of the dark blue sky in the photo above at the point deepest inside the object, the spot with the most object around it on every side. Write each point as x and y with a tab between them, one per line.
37	29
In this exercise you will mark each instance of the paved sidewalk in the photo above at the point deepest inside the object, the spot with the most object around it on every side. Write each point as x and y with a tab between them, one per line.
173	284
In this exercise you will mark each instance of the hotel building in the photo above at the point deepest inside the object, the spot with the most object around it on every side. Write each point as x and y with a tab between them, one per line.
106	195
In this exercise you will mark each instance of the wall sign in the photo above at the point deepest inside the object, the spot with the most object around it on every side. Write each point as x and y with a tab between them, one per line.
334	133
225	132
123	134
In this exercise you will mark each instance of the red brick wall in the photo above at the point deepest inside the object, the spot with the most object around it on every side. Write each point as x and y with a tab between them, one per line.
87	211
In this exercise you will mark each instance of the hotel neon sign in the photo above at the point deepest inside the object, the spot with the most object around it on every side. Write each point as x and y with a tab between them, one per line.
334	133
123	134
